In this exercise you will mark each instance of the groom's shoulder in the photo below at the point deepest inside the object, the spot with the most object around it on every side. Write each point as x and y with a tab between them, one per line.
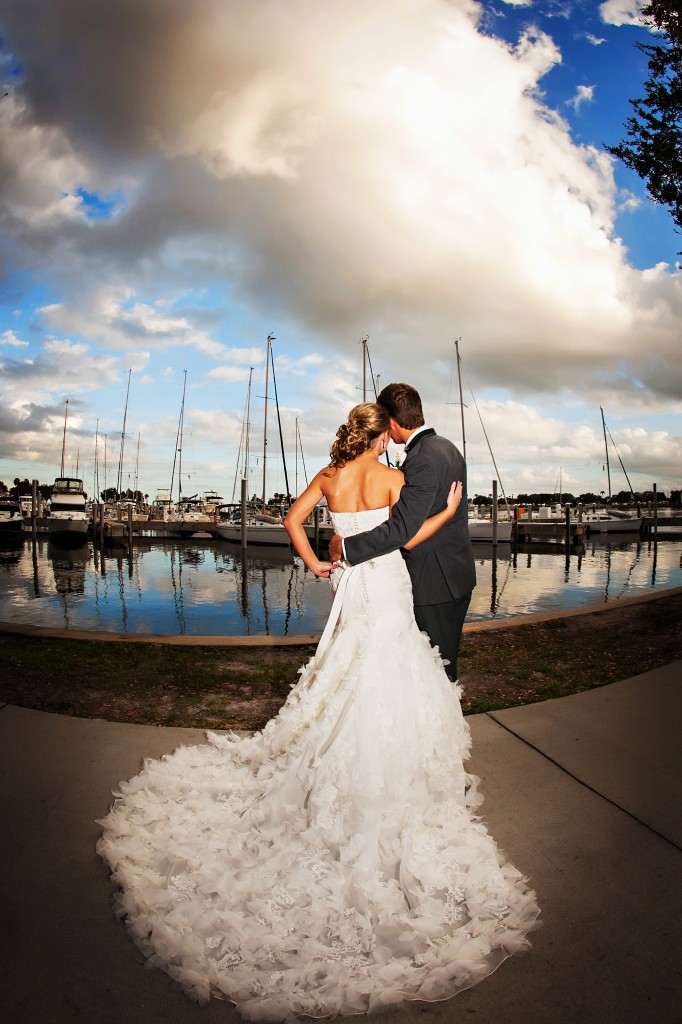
437	446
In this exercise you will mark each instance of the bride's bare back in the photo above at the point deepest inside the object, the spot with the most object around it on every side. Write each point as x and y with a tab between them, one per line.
365	483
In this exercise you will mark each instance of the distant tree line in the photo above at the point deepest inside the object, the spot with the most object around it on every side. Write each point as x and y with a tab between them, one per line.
588	498
22	488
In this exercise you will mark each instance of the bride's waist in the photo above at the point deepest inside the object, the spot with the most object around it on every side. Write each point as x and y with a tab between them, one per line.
384	567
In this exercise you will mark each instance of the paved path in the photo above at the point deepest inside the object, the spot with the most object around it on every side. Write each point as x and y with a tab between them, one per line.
582	792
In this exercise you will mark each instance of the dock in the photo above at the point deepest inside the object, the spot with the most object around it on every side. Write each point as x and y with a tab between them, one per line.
528	531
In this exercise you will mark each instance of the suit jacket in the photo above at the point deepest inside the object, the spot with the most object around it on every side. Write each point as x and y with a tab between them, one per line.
442	568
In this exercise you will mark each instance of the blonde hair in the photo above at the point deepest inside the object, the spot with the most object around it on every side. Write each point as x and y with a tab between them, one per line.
357	435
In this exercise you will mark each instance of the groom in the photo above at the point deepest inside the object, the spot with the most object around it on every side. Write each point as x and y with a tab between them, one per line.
442	568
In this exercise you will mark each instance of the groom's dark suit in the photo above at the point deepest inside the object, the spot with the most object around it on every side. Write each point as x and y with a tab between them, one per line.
442	569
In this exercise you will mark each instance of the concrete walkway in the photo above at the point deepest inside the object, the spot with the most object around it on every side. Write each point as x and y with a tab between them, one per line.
582	792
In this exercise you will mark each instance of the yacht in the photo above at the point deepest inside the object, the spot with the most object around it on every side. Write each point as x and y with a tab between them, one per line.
67	515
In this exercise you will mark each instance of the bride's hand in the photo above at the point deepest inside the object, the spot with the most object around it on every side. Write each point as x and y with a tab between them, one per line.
454	497
322	569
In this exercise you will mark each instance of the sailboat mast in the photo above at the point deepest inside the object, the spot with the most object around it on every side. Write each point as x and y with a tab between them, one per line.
95	470
461	401
137	465
279	425
248	428
364	368
66	411
271	338
180	432
606	449
119	482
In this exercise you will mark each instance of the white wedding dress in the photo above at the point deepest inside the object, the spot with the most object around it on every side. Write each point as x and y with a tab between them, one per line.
332	863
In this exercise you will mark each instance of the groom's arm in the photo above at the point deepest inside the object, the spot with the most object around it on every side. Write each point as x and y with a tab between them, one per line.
413	507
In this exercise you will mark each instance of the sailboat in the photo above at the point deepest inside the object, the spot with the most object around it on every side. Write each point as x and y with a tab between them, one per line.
613	521
67	517
262	526
480	529
189	515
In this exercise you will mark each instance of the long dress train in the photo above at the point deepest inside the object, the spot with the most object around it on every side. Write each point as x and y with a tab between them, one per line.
332	863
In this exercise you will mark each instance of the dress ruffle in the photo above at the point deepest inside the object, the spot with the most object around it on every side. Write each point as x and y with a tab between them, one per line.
333	863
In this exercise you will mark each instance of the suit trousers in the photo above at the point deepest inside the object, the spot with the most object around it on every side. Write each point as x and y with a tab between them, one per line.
443	622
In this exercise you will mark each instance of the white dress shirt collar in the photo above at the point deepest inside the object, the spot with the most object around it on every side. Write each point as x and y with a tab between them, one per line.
417	432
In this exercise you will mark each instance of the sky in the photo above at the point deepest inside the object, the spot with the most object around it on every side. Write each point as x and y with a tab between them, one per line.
180	180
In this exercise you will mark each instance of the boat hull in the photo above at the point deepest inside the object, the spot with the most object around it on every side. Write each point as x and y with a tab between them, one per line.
482	530
11	525
67	524
272	534
612	525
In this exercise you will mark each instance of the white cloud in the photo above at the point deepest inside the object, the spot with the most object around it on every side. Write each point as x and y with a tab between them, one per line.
339	169
10	339
228	373
584	94
622	12
110	317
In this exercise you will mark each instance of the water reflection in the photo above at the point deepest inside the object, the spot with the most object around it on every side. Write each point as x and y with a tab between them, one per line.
269	580
203	587
69	564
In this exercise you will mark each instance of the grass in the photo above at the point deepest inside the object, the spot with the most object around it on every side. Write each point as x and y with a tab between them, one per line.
232	687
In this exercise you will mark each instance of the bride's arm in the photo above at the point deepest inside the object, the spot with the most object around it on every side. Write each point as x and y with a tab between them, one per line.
293	524
434	523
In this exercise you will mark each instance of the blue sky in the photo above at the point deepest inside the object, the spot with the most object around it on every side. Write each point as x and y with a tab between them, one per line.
600	71
176	188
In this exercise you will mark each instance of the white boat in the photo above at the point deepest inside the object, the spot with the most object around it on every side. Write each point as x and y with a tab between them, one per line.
260	529
67	515
603	522
11	518
191	512
482	530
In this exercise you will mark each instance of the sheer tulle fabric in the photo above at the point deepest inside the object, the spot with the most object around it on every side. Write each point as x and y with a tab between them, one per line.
332	863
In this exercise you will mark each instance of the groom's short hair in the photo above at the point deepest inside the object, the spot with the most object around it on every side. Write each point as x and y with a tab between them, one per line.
403	404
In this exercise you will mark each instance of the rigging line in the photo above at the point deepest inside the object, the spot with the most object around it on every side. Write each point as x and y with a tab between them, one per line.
374	386
279	424
300	448
485	434
371	372
621	462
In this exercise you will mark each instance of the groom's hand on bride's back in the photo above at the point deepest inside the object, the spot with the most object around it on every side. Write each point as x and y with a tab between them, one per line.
335	549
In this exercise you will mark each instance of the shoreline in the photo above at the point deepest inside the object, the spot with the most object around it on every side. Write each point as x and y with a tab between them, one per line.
305	639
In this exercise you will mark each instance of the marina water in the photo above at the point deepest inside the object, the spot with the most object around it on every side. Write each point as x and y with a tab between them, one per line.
205	588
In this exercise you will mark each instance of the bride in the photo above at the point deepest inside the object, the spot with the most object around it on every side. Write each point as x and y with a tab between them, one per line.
332	863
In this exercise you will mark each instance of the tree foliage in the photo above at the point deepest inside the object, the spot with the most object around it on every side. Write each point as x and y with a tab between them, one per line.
653	145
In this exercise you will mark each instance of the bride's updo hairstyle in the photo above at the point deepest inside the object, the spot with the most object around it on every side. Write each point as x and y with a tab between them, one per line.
358	434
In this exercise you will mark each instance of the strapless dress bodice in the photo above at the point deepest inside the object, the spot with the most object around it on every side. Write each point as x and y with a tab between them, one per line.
347	524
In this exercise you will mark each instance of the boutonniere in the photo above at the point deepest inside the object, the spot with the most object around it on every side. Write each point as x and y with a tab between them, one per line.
400	458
